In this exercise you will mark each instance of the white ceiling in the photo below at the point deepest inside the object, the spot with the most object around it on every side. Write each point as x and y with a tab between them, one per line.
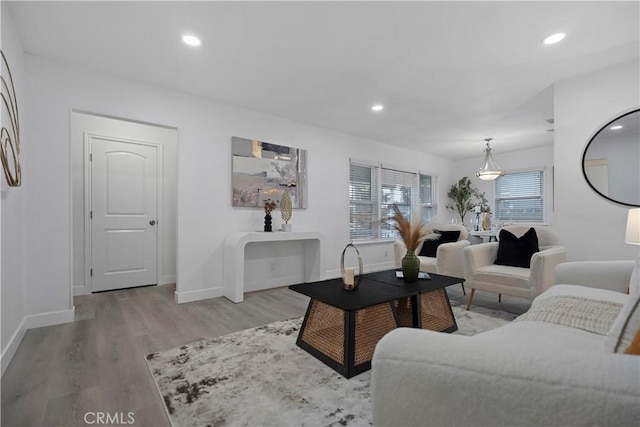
448	73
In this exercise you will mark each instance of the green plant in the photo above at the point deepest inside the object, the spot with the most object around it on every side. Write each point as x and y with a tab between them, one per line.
466	197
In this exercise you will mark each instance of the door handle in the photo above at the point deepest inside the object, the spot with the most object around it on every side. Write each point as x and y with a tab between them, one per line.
152	222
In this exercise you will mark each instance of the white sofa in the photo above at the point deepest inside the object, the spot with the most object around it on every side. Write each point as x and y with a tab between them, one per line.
524	373
449	258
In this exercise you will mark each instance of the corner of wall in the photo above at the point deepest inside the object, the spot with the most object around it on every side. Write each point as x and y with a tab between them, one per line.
10	350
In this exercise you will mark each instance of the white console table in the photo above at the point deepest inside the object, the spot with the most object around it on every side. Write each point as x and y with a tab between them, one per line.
234	257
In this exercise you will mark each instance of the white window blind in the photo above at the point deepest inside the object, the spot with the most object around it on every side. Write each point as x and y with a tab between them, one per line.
363	202
519	197
398	188
427	202
372	191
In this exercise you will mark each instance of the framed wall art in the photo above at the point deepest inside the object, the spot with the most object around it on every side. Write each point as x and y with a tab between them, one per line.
10	134
261	170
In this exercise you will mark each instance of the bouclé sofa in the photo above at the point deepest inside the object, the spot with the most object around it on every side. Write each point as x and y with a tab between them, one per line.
528	372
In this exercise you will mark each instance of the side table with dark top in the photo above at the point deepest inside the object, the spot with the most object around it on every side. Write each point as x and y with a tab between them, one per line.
341	328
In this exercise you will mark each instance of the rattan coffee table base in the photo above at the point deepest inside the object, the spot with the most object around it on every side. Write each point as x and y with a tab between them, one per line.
344	339
433	312
342	327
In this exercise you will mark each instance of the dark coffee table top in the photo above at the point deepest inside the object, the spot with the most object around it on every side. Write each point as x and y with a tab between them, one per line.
436	281
374	289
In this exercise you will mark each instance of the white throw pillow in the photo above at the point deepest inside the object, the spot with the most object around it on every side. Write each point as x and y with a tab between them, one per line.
628	322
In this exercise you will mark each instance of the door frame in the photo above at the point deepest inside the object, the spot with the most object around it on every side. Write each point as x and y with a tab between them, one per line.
88	238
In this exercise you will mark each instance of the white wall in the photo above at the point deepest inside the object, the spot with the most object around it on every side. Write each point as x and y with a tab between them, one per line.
591	227
513	161
205	215
12	207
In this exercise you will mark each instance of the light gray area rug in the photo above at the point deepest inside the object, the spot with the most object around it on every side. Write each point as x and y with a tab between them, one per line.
259	377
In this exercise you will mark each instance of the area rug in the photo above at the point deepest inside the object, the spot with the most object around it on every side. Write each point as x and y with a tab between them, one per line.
259	377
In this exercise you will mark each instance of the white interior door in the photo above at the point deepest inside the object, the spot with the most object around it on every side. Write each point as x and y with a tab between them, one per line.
123	213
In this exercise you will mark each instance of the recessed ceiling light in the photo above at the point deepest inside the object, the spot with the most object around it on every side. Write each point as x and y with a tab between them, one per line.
377	107
554	38
616	127
191	40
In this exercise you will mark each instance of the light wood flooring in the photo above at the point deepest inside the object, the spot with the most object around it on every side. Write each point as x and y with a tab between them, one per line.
96	364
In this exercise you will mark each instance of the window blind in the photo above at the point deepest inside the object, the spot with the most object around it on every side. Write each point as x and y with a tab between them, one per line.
397	188
363	198
427	204
519	197
372	191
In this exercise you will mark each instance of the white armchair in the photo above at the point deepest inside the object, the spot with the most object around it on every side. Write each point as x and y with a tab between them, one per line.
481	272
449	258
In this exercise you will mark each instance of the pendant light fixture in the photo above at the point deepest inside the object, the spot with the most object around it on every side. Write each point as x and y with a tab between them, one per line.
489	169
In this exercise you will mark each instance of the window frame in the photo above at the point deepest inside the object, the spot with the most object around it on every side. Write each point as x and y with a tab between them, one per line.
426	208
542	196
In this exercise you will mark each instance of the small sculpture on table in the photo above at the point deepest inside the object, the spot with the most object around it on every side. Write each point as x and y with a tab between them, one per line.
269	206
285	210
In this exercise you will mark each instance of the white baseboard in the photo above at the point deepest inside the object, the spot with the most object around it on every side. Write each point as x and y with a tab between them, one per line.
12	346
30	322
51	318
189	296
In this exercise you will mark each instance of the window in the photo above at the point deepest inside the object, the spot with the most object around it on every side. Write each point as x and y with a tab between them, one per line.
427	199
372	191
363	202
520	197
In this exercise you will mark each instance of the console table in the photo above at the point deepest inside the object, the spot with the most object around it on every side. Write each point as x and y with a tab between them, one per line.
234	257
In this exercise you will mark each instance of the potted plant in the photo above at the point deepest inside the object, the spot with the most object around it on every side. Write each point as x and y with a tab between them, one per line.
411	233
465	198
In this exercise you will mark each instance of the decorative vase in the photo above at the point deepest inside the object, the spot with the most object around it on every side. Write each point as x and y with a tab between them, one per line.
486	221
267	222
410	267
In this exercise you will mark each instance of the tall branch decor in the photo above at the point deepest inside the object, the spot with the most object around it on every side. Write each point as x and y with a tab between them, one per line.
10	137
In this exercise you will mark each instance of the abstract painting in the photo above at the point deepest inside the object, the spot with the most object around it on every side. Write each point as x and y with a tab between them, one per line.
261	170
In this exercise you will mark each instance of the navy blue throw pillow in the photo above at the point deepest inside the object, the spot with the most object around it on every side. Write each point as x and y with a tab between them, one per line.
517	251
430	246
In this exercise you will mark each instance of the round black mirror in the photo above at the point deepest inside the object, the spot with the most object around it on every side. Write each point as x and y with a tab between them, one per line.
611	160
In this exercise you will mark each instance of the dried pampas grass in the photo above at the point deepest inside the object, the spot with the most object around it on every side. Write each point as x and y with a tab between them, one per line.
412	232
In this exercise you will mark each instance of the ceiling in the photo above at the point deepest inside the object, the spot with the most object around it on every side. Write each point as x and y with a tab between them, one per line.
448	73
